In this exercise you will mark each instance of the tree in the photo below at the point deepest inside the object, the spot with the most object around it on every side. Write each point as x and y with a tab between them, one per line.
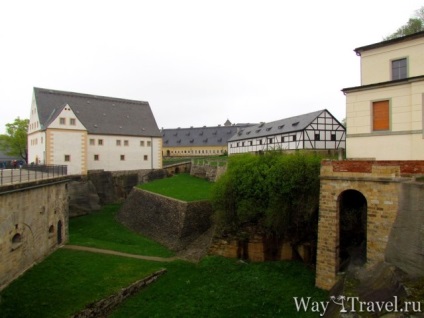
14	142
276	193
414	25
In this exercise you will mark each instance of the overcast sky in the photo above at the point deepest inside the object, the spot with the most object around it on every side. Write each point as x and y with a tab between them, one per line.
196	62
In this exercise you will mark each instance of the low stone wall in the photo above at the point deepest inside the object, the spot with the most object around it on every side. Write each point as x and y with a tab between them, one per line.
103	307
171	222
257	248
206	170
114	186
254	249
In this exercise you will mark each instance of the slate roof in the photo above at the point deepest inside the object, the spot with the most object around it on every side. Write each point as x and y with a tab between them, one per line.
99	114
200	136
282	126
409	37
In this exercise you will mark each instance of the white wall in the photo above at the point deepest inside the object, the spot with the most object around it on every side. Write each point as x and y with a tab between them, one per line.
135	155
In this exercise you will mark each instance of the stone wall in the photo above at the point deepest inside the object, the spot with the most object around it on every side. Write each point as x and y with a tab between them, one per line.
405	248
254	249
33	223
103	307
208	169
380	182
171	222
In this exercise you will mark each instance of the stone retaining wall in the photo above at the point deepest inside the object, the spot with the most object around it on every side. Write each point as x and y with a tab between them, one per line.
33	224
171	222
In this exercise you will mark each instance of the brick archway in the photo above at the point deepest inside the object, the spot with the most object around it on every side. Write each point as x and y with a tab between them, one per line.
379	183
352	220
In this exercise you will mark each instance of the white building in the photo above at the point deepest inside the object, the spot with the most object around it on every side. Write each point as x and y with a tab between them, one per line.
317	130
88	132
385	113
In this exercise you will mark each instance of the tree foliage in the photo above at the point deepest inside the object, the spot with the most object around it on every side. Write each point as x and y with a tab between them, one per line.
14	142
278	193
414	25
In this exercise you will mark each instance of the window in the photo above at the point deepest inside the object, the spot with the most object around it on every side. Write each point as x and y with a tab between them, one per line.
118	142
333	136
149	144
100	142
282	139
92	142
62	121
317	136
399	70
142	143
96	157
72	122
294	138
126	142
146	157
380	115
270	140
67	158
122	157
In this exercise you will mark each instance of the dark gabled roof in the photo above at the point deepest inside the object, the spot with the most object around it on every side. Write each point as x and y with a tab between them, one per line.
99	114
199	136
413	36
282	126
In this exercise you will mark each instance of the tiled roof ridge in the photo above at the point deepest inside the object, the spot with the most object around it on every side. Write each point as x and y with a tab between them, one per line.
84	95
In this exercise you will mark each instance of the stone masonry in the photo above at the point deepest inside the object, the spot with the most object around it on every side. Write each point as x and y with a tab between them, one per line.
33	223
380	182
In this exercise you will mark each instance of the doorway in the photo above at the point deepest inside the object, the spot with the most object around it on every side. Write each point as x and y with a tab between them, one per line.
352	229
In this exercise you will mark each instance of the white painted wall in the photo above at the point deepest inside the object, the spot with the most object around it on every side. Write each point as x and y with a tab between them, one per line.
135	154
376	63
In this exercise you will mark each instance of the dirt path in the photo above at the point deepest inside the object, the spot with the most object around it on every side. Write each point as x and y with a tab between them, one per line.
110	252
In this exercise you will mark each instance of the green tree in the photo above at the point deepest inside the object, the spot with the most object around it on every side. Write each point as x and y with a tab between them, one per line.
14	142
414	25
276	193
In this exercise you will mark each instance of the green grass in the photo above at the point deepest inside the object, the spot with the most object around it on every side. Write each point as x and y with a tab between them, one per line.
219	287
181	186
101	230
67	281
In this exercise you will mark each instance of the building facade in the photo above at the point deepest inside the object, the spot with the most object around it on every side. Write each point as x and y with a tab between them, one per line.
318	130
88	132
198	141
385	113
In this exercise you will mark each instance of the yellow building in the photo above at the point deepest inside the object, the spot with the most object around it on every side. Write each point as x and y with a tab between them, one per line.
385	114
198	141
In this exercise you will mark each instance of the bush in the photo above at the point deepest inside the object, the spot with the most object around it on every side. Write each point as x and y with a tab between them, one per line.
278	193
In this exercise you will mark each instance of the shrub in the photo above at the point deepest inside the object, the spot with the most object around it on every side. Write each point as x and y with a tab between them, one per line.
278	193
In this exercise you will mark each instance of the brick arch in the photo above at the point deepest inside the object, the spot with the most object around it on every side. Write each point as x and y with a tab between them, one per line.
380	187
352	215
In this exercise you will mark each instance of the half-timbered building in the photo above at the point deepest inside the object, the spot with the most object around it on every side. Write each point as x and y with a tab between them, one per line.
318	130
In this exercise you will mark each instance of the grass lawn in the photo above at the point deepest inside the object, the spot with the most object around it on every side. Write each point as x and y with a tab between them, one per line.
181	186
67	281
101	230
219	287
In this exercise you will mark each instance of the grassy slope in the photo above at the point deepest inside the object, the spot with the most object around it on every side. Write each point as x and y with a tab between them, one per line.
219	287
181	186
216	287
67	281
101	230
